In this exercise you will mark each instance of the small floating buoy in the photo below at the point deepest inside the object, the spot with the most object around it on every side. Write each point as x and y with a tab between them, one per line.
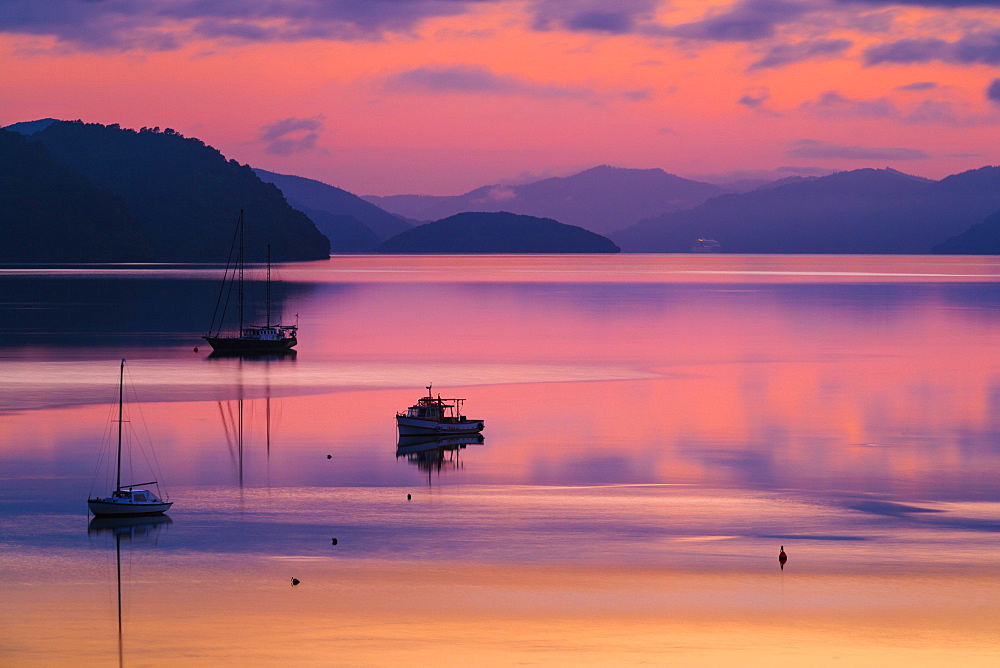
329	456
333	541
408	497
196	348
782	557
295	581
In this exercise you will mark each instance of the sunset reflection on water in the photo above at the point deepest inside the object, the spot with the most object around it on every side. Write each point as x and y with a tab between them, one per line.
656	428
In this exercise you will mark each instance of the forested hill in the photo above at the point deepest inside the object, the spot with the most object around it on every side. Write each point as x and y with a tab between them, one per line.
183	196
497	232
980	239
51	213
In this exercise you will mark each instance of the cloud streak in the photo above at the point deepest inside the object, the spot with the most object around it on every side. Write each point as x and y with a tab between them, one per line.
993	91
475	79
291	135
594	16
832	105
755	97
787	54
982	47
818	150
165	24
744	21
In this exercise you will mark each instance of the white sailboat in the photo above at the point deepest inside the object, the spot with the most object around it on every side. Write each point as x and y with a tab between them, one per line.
131	499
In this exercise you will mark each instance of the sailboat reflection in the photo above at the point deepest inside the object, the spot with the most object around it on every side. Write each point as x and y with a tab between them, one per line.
136	531
237	413
432	453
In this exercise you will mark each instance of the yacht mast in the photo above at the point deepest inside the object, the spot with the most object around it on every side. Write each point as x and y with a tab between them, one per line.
240	260
121	385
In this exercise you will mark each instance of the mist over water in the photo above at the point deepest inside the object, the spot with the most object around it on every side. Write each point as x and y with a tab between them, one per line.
656	427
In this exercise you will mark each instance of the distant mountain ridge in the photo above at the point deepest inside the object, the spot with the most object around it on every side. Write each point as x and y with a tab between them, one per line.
497	232
352	224
858	211
602	199
105	193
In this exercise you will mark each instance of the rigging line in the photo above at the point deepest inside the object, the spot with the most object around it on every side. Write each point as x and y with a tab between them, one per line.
228	281
225	429
155	464
105	448
225	275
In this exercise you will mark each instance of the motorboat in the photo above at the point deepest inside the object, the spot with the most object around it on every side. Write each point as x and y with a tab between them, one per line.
430	416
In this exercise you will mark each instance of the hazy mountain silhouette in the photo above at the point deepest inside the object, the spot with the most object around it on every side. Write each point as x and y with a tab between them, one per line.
497	232
183	195
860	211
980	239
602	199
343	212
346	233
31	127
50	213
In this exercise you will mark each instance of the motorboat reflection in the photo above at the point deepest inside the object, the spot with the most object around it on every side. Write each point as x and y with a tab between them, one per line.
136	530
435	453
268	356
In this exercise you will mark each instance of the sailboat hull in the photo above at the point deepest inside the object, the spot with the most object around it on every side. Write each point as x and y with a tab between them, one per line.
112	508
226	344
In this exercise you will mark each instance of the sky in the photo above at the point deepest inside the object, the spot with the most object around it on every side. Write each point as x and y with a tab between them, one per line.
438	97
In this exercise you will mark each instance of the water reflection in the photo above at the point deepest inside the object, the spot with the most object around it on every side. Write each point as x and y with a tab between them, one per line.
233	413
433	454
254	356
137	531
116	306
656	432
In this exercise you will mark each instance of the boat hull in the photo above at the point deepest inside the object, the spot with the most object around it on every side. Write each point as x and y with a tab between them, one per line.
232	344
409	426
111	508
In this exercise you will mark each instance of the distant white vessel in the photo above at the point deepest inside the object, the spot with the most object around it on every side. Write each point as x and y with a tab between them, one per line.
126	500
706	246
436	416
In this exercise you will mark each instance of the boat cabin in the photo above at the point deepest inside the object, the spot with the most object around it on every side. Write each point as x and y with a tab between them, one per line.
268	333
428	411
134	495
429	408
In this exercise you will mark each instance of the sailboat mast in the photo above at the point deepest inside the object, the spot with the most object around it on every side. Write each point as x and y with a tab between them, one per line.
269	285
121	386
241	274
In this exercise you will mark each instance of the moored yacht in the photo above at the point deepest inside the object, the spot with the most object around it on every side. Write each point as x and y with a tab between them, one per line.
247	340
432	415
126	500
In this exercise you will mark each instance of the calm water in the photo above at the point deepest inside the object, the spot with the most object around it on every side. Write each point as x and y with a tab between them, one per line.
657	427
